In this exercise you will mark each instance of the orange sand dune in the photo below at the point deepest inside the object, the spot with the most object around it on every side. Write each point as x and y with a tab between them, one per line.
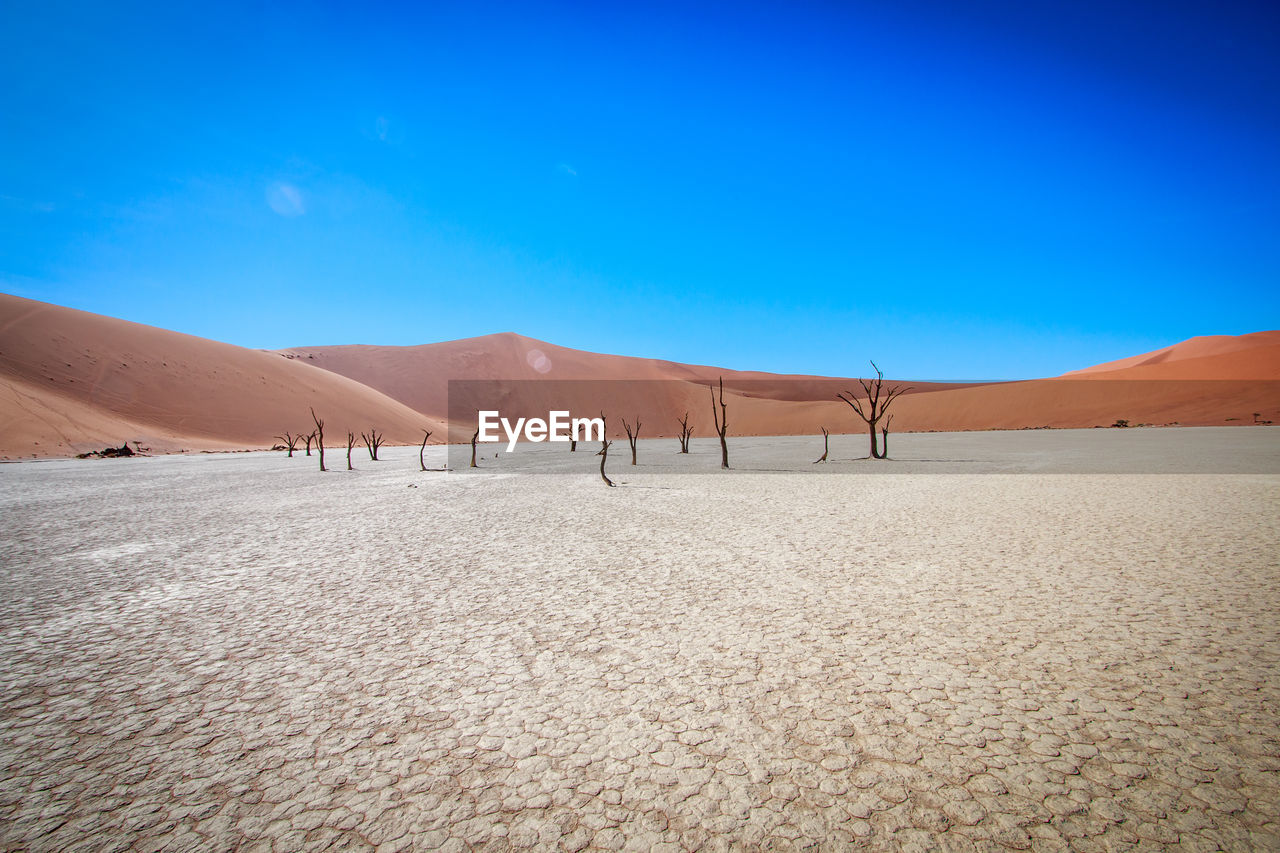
72	381
1259	362
658	391
1252	356
1244	381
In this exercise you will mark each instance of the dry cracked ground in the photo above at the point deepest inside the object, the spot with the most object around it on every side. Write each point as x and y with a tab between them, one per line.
238	652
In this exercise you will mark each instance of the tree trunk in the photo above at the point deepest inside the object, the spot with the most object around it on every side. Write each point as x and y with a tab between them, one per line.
875	444
473	449
319	437
604	457
826	446
721	420
884	448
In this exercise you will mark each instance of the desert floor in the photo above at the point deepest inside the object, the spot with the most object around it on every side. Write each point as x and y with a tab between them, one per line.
971	647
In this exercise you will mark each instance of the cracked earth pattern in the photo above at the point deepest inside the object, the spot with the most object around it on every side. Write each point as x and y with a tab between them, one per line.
240	653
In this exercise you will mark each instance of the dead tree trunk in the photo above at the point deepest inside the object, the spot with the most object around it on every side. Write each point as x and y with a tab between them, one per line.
351	442
422	463
372	441
877	402
473	448
884	435
826	445
319	437
573	444
721	419
309	438
604	457
291	441
632	437
685	433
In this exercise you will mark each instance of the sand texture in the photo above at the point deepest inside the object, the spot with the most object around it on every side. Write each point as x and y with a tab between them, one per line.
238	652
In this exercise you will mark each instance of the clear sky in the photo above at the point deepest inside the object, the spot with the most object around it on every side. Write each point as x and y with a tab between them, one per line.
959	190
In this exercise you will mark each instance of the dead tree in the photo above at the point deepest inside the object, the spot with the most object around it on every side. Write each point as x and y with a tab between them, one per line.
632	436
423	449
605	443
884	437
573	444
826	445
877	402
309	438
319	437
473	448
722	422
372	441
351	442
604	457
685	433
291	441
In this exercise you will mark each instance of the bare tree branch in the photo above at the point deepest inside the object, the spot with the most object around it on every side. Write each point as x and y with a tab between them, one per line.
603	453
826	445
372	441
632	437
319	437
878	399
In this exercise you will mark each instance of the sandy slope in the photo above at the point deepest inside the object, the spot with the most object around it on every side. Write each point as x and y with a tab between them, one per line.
418	376
1258	362
72	381
1217	387
1254	356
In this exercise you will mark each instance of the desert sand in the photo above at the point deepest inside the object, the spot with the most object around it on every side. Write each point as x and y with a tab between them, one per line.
72	382
1252	356
238	652
1224	384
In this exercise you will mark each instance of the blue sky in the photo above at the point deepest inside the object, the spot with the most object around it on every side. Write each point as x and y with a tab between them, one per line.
958	190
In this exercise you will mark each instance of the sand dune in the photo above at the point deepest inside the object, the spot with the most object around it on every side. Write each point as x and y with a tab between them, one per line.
1259	362
1253	356
418	376
1202	384
72	381
529	377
